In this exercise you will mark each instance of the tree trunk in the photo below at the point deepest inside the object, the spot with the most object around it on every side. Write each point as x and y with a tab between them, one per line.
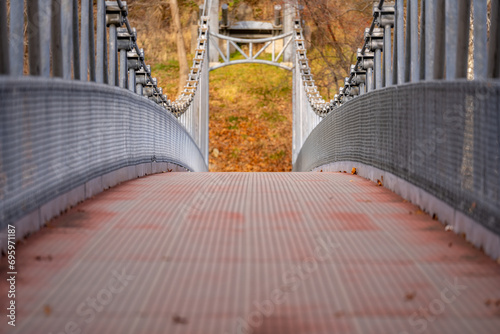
181	49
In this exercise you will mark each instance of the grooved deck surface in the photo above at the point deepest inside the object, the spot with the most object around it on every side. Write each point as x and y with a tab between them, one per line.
251	253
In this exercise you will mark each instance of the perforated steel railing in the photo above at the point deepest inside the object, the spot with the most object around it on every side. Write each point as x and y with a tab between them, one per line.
88	111
402	46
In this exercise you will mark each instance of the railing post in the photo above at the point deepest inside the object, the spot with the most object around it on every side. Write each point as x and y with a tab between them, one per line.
4	40
213	23
375	44
66	37
92	69
84	39
414	64
44	35
288	16
225	15
16	35
124	41
494	47
399	45
358	79
56	40
366	62
277	15
439	51
387	56
76	44
34	50
480	40
451	18
133	64
386	21
113	54
430	38
463	38
113	20
101	57
422	40
141	79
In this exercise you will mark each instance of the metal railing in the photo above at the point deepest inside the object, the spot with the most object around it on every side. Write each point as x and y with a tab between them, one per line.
277	52
69	43
88	114
395	52
410	111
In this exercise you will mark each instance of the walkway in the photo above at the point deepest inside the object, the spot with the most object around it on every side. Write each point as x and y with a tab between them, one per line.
251	253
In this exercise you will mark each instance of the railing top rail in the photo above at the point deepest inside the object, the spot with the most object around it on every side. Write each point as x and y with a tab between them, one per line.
251	40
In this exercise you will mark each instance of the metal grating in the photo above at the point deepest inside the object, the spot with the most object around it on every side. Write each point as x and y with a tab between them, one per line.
204	249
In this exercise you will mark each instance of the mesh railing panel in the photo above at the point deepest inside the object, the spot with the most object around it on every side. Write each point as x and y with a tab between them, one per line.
56	135
444	137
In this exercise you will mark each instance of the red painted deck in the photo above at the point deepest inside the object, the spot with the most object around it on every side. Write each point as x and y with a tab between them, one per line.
251	253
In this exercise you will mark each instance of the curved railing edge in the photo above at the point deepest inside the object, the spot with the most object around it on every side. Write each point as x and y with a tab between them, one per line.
145	151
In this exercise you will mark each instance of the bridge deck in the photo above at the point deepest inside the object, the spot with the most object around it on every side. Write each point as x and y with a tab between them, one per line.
251	253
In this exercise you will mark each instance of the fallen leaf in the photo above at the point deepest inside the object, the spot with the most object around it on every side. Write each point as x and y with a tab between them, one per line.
410	295
179	320
353	171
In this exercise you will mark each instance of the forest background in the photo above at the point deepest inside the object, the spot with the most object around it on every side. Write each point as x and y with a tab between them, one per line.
251	105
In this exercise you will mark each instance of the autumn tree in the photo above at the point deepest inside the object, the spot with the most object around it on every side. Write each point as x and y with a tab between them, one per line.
337	31
181	49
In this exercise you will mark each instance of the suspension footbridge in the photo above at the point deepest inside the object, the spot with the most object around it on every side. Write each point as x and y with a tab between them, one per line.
111	222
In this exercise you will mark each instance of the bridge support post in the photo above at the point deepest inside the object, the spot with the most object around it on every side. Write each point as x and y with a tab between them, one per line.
451	38
124	45
75	40
33	38
399	45
114	20
133	65
16	36
4	41
463	38
439	52
288	16
375	43
92	74
494	48
412	64
480	40
213	24
113	54
102	54
386	22
84	40
429	38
